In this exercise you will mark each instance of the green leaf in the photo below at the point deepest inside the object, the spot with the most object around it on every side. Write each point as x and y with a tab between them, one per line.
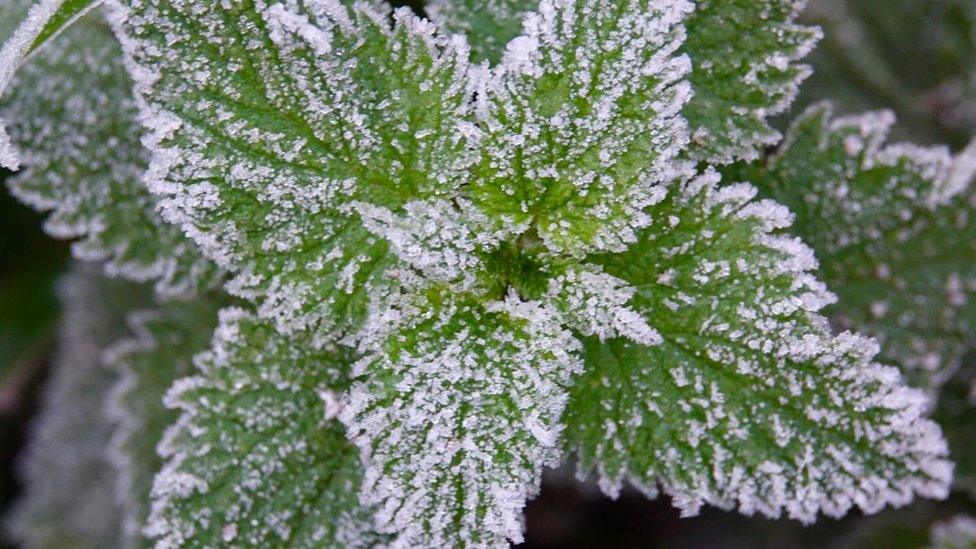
893	228
69	483
73	114
272	122
166	339
456	413
440	240
582	122
748	402
489	25
745	55
42	23
256	458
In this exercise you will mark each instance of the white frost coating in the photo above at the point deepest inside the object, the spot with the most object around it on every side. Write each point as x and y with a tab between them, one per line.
864	139
125	424
589	88
257	420
458	404
166	339
962	174
886	215
8	155
440	239
13	53
16	50
267	197
73	113
958	532
595	303
488	24
747	361
458	413
767	75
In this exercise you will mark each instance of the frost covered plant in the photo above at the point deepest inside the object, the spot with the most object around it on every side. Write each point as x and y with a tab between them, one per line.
464	250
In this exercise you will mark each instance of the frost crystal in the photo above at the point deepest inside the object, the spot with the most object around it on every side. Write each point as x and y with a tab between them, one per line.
270	120
745	55
442	241
45	20
488	24
524	261
736	88
582	121
458	414
893	226
748	402
73	114
253	460
595	303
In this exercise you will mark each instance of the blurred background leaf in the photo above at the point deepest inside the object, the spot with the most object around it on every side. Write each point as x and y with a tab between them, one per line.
916	57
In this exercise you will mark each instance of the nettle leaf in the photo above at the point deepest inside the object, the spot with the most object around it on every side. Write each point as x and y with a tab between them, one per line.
166	339
745	54
958	532
256	457
43	21
457	414
746	68
273	120
893	228
489	24
748	402
367	185
69	483
73	114
582	122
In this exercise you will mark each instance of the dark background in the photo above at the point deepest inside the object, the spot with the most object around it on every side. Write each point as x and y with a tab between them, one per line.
899	74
